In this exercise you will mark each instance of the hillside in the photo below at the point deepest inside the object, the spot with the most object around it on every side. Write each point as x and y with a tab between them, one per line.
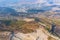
31	30
6	11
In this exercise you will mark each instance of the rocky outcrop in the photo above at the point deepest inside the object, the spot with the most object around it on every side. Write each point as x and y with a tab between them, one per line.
39	34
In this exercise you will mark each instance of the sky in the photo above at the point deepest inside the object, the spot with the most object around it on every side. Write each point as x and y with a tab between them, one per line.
17	1
29	1
20	2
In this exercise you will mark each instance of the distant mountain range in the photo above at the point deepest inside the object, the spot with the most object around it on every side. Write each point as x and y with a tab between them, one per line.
7	11
4	11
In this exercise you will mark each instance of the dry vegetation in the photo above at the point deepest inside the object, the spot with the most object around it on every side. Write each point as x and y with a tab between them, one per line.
50	38
21	26
30	27
25	27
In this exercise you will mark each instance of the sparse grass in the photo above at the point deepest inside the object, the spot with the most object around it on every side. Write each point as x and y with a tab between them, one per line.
29	27
21	26
50	38
57	21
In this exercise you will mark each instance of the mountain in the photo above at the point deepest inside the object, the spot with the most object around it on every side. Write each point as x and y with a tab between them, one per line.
7	11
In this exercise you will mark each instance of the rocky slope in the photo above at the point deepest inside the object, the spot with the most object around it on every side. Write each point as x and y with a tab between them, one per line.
39	34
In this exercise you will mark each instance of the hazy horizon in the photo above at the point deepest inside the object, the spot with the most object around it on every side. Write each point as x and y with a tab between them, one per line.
13	2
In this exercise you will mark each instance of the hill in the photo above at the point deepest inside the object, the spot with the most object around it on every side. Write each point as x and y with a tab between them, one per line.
5	11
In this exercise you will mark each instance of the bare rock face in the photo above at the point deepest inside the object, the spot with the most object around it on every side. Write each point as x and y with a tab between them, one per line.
37	35
4	35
